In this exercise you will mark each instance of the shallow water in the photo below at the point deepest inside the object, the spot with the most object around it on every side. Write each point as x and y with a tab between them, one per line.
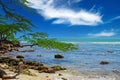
87	57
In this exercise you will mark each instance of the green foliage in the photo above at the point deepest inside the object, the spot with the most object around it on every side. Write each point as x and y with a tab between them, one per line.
54	44
11	23
42	40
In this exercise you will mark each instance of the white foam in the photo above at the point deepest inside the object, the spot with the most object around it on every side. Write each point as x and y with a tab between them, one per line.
95	42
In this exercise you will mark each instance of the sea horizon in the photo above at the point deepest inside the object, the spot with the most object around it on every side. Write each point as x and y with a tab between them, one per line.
89	39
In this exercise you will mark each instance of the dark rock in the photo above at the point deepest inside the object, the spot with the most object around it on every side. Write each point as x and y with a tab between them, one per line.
28	72
58	56
19	56
58	68
110	51
63	78
46	69
33	63
27	51
50	70
60	74
39	55
104	62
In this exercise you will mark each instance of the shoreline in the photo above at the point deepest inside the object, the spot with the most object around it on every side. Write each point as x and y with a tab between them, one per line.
67	75
48	73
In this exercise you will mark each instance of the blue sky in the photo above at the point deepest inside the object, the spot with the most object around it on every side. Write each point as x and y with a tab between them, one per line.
76	18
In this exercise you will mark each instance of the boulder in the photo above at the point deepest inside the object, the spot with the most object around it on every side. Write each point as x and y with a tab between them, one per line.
104	62
58	56
110	51
58	68
39	55
33	63
19	56
46	69
27	51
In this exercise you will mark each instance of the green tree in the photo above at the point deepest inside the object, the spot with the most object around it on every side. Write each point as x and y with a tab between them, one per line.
12	23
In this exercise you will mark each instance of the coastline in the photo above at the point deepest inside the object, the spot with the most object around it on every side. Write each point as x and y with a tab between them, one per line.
68	74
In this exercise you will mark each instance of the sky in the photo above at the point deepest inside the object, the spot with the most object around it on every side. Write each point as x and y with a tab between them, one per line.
76	18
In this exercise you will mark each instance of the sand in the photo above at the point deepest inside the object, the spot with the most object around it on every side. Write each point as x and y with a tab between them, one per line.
63	75
68	74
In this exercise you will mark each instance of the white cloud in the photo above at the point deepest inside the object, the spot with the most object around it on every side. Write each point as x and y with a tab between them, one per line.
113	19
47	9
102	34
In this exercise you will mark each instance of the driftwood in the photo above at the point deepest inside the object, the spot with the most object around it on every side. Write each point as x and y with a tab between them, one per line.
5	76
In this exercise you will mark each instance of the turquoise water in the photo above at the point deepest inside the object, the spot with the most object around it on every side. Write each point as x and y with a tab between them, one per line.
90	39
87	57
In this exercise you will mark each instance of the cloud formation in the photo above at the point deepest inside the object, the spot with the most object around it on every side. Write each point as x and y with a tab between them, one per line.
102	34
64	15
113	19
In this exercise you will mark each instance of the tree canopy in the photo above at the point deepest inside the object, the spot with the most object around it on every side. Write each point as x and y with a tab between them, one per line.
12	23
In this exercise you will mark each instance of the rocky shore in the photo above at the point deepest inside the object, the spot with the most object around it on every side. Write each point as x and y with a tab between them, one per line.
32	70
12	62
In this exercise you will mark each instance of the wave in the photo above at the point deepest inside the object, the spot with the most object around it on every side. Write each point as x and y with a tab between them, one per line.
95	42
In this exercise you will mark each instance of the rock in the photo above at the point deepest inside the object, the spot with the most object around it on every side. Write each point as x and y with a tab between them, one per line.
58	68
110	51
27	51
39	55
104	62
60	74
63	78
50	70
33	63
28	72
9	60
46	69
58	56
19	56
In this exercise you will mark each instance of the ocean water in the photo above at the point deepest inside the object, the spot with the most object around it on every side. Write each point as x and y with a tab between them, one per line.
87	57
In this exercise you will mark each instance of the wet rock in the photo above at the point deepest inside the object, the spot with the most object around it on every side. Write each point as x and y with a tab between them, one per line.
58	68
58	56
104	62
33	63
28	72
46	69
60	74
19	56
50	70
27	51
63	78
39	55
110	51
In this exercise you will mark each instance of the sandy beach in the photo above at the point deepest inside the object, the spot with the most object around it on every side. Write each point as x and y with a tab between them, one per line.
68	74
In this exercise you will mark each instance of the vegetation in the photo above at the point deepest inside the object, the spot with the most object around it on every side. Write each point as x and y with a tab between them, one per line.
12	23
42	40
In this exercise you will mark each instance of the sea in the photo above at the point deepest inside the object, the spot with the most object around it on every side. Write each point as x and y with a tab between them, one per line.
91	51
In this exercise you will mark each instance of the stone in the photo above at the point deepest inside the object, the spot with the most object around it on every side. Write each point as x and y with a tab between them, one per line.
60	74
104	62
33	63
39	55
27	51
19	56
28	72
110	51
58	56
50	70
63	78
58	68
